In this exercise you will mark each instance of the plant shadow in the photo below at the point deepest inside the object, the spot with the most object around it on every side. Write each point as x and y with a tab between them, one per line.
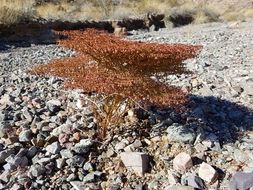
212	118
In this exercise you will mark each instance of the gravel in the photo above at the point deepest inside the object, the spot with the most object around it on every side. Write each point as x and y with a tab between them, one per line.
48	134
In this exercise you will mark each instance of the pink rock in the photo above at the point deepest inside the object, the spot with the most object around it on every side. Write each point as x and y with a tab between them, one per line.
208	173
137	161
182	162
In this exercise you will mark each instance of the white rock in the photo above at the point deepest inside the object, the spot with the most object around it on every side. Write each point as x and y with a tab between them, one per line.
137	161
207	173
182	162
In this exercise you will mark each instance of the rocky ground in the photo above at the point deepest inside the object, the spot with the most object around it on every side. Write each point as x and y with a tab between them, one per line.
47	133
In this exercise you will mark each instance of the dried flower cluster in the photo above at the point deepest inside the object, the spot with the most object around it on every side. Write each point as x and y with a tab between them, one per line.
110	65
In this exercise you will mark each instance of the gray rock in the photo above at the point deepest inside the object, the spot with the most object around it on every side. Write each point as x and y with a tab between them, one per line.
54	105
88	167
32	152
241	181
65	153
78	185
180	133
76	161
83	146
4	128
71	177
17	161
25	135
5	154
54	148
36	170
174	187
5	176
195	182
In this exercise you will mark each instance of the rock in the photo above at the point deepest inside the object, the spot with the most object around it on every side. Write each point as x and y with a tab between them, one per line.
36	170
90	177
172	178
54	105
207	173
88	167
180	133
25	136
182	162
120	146
5	154
241	181
65	153
71	177
83	146
5	176
60	163
17	161
54	148
195	182
78	185
137	161
174	187
76	161
4	129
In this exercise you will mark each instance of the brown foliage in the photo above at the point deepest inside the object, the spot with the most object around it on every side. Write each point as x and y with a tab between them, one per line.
120	69
111	65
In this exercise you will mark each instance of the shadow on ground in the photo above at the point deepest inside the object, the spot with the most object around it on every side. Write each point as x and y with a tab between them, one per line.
214	119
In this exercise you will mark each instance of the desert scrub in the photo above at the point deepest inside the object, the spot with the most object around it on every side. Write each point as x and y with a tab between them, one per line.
120	69
16	11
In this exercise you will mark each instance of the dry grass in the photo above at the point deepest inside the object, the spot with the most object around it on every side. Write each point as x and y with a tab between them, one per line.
15	11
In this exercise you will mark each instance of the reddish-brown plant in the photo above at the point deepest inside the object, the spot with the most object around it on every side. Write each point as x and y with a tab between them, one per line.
114	66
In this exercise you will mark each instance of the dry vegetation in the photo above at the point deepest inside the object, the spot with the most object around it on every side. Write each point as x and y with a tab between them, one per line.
12	11
120	69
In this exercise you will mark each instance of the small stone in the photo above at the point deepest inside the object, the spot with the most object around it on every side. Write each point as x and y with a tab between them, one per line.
54	105
182	162
83	146
77	136
5	154
180	133
63	138
76	161
137	161
5	176
60	163
120	146
65	153
25	136
90	177
71	177
195	182
174	187
88	167
54	148
78	185
172	178
241	181
207	173
36	170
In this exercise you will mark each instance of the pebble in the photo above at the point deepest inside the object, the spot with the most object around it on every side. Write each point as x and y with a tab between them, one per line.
54	148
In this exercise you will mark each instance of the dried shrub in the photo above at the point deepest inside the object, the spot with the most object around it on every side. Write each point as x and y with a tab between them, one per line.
119	68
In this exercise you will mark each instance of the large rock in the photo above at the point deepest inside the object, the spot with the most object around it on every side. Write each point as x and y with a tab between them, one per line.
182	162
207	173
241	181
180	133
137	161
